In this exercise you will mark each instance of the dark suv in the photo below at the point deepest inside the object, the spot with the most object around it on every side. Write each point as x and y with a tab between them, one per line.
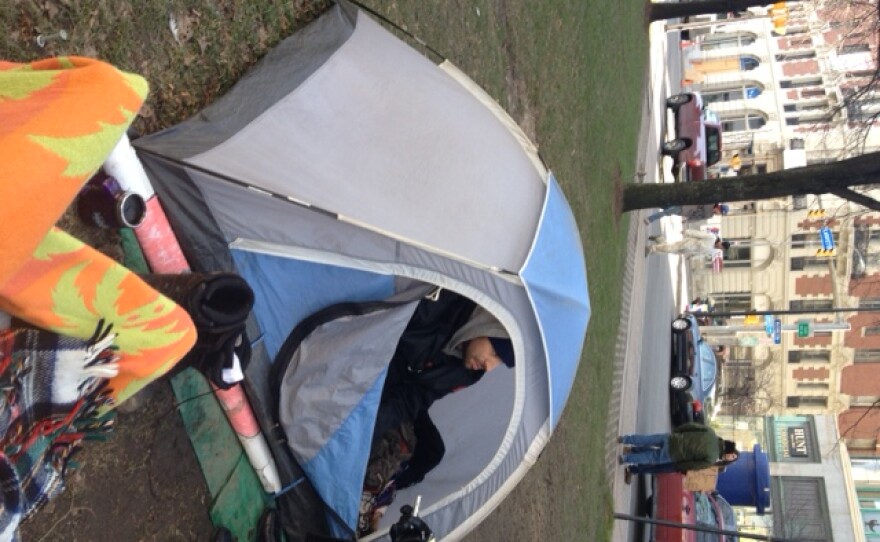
697	143
693	372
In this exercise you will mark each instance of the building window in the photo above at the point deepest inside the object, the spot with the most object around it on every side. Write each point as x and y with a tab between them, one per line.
869	303
809	355
809	119
863	400
871	331
724	40
805	401
810	304
747	120
732	301
813	385
860	74
748	63
801	83
799	263
795	55
792	30
810	240
867	355
854	48
861	108
812	93
800	508
738	255
737	91
813	105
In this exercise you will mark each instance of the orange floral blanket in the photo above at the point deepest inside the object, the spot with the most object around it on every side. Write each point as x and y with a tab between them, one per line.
61	118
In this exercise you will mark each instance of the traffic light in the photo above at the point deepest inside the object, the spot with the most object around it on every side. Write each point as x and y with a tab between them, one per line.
816	213
825	252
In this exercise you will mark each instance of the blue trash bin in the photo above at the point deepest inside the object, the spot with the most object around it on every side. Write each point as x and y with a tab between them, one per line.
746	482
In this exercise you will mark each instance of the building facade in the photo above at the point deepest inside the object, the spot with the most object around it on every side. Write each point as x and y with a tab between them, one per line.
812	485
791	87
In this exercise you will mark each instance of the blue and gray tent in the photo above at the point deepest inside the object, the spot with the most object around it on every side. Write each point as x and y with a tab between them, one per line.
349	168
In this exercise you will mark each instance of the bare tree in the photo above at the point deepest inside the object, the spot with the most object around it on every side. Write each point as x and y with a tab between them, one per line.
854	25
669	10
748	390
832	178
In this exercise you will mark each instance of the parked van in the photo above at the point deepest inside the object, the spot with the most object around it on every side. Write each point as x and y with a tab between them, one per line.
697	143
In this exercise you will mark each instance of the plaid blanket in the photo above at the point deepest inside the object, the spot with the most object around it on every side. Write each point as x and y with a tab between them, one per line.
10	501
51	390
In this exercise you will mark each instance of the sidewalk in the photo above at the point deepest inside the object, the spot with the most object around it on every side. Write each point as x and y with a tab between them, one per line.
627	359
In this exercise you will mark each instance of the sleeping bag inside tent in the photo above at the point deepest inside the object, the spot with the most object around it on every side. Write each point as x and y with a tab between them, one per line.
346	177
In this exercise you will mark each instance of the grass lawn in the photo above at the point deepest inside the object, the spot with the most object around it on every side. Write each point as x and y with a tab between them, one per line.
570	72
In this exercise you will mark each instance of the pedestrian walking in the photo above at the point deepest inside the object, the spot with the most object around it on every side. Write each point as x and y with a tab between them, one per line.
689	213
694	243
691	446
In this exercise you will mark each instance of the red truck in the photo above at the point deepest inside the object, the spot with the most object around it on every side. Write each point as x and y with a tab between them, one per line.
697	143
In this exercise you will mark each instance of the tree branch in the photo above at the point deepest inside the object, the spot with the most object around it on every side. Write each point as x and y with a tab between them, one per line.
855	197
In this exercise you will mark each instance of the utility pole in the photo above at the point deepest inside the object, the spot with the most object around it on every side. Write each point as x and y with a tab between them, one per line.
783	312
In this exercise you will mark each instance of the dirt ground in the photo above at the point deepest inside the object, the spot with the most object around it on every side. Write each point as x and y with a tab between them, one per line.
144	483
141	484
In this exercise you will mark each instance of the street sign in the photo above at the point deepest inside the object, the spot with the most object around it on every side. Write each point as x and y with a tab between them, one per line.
804	328
768	324
777	331
826	238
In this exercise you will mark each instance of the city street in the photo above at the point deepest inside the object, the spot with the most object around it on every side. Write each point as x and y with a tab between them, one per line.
656	290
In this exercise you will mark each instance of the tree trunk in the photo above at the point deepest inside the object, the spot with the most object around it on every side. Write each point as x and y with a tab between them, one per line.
833	178
667	10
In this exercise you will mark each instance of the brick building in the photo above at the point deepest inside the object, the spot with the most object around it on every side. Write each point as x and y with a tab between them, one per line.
783	82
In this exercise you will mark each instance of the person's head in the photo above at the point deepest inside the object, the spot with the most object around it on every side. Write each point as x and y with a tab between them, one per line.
729	453
724	245
487	353
721	209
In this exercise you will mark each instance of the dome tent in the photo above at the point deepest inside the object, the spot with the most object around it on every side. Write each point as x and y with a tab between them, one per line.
346	167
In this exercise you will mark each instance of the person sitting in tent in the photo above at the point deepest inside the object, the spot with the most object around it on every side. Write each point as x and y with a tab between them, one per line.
448	344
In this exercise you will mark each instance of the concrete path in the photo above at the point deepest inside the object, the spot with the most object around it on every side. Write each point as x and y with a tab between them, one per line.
651	168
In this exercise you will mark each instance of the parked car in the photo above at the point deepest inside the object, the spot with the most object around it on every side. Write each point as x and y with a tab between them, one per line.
697	143
670	501
693	373
729	516
714	511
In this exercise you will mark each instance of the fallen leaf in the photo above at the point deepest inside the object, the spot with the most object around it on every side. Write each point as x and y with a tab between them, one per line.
147	111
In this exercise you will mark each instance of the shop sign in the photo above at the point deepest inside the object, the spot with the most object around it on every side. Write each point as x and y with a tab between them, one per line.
797	442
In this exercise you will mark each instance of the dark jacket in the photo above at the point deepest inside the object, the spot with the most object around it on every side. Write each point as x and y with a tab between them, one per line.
420	372
407	393
694	446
